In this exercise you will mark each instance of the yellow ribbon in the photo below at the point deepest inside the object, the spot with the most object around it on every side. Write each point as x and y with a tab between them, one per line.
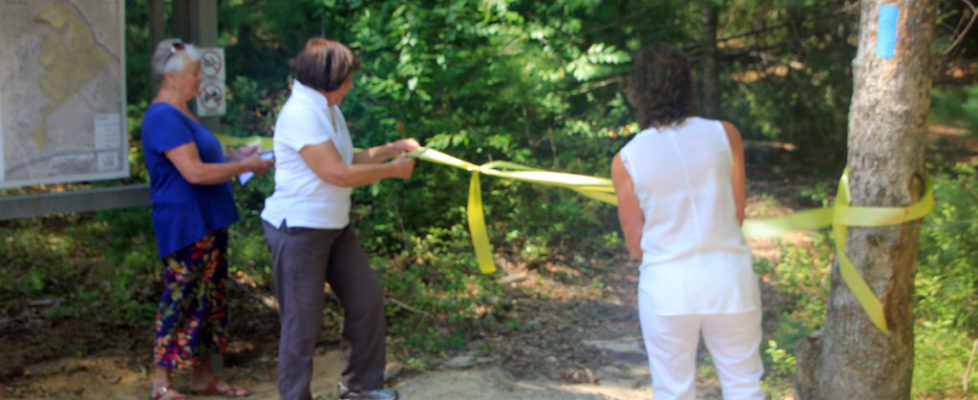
839	216
233	141
596	188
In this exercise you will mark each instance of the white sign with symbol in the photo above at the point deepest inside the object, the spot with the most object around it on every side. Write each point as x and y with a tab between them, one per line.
211	98
212	63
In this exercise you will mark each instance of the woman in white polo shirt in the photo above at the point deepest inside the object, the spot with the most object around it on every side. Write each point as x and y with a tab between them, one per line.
306	224
680	187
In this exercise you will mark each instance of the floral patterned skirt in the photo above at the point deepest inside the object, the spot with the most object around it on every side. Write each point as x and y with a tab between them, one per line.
192	318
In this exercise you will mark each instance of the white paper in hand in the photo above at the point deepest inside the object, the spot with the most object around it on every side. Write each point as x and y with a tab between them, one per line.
246	176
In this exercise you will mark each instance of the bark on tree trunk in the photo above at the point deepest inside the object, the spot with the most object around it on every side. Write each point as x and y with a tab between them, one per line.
887	133
709	92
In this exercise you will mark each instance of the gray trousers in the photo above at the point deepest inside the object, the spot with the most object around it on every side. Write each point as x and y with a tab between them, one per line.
303	259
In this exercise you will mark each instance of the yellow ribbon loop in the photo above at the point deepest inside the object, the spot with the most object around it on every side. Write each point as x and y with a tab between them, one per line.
477	227
841	216
600	189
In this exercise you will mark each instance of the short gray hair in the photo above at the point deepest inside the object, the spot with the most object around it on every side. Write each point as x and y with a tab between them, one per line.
163	63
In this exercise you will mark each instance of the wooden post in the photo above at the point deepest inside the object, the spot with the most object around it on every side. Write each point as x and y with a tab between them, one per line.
181	19
203	33
157	22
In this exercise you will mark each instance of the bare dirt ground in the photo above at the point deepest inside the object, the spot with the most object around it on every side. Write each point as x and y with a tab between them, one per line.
574	339
574	333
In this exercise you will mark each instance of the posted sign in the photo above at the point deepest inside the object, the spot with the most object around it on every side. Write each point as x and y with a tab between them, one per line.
212	98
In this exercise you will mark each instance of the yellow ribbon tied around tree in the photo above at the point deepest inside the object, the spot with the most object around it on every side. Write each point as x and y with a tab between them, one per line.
839	216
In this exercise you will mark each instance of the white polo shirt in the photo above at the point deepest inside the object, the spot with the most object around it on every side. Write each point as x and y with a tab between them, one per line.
301	198
695	259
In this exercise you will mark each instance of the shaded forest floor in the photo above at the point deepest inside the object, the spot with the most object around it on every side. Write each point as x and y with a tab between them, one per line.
571	333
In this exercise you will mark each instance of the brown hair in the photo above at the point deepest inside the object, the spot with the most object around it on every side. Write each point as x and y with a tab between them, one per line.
660	87
324	64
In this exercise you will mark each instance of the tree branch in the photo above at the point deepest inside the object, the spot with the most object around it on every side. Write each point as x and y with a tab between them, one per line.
272	304
409	308
974	14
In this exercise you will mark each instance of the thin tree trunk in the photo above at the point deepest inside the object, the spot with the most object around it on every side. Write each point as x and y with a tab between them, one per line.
887	133
709	92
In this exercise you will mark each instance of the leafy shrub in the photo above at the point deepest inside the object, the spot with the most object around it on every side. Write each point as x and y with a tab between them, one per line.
957	105
940	360
802	281
947	285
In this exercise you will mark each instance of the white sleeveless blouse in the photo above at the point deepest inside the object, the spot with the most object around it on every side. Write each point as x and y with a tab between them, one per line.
695	259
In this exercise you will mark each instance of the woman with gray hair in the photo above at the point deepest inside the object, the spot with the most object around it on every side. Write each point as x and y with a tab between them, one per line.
192	207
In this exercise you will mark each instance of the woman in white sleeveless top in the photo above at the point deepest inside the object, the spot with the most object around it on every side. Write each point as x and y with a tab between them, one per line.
680	187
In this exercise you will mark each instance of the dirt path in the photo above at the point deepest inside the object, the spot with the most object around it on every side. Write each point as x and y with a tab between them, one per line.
108	377
579	341
465	376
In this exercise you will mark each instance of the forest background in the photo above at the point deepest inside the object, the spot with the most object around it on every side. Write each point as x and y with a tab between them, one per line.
541	84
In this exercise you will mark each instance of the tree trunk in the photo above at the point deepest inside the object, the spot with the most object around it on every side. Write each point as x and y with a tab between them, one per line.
709	92
887	133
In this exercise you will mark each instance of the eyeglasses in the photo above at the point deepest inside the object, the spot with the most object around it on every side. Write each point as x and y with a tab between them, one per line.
175	47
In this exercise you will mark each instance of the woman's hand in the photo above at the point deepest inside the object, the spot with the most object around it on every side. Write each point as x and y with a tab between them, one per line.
403	166
382	153
406	145
241	153
255	163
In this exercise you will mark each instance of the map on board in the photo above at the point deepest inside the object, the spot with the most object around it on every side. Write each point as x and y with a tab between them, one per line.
62	91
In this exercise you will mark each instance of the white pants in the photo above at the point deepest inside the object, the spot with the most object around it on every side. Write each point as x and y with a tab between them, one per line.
733	341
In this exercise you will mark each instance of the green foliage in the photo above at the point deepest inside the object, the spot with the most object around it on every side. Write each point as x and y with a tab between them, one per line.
482	80
138	52
100	266
955	105
251	107
801	280
23	245
940	360
132	263
438	279
947	285
795	85
782	360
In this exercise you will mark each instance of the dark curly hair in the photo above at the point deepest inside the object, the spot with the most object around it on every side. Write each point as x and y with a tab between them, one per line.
324	64
660	87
